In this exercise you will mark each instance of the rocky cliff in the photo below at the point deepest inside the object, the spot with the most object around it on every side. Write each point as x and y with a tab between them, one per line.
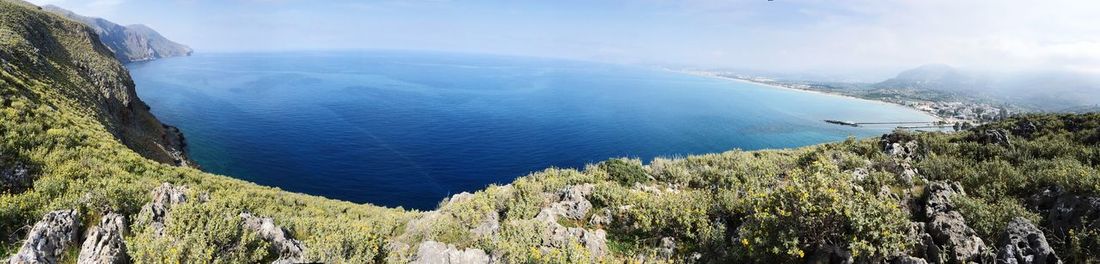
129	43
81	71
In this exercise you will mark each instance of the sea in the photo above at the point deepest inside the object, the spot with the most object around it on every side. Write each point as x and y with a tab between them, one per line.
407	129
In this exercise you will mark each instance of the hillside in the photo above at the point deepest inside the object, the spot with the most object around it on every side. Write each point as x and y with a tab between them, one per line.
129	43
75	190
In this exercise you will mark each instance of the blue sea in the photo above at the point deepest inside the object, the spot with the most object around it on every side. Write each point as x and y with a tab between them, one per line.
409	128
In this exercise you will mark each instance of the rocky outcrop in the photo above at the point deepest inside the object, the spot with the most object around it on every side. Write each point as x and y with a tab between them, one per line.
991	136
49	238
104	243
903	151
946	238
1023	243
288	249
572	205
1065	211
431	252
164	197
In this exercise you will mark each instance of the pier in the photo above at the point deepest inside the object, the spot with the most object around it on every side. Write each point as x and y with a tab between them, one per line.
901	124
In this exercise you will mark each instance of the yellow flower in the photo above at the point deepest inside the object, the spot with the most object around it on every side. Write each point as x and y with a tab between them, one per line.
745	241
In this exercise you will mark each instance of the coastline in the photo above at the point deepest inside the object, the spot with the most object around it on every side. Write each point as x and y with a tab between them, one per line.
711	75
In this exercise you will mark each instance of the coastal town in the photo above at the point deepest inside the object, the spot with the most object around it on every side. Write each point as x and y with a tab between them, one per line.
953	111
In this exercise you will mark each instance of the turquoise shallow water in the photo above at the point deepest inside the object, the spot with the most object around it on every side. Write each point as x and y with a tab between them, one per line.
407	129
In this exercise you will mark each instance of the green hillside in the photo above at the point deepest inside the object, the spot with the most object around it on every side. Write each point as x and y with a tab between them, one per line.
73	136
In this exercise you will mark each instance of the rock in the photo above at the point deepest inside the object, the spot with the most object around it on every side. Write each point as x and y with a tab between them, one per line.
1022	242
601	218
1065	211
991	136
104	243
489	226
595	241
289	250
1025	128
899	145
958	242
164	197
571	203
668	247
457	198
49	238
948	238
908	260
15	177
431	252
830	254
939	197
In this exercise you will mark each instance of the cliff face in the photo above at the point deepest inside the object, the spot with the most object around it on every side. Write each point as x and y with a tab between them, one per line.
129	43
70	57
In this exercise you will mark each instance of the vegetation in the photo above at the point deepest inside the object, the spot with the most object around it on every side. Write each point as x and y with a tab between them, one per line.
737	206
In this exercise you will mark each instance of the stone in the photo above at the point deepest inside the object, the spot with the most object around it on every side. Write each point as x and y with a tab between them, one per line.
1065	211
908	260
488	226
991	136
668	247
571	204
431	252
289	250
957	241
948	238
939	197
49	238
104	243
1024	243
15	177
899	145
164	197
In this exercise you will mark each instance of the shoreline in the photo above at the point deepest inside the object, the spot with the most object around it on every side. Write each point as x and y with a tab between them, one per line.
714	76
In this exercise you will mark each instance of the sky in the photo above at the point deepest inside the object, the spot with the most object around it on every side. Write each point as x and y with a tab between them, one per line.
859	38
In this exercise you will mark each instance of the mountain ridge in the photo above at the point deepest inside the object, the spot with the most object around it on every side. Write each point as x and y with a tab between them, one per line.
132	43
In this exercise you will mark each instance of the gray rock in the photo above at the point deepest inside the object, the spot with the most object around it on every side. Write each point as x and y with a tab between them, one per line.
289	250
992	136
601	218
899	145
488	226
908	260
957	241
1067	211
948	238
939	197
105	244
830	254
49	238
571	204
1022	242
164	197
15	177
431	252
667	248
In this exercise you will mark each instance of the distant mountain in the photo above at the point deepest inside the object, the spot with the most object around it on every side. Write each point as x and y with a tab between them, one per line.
1049	90
129	43
937	77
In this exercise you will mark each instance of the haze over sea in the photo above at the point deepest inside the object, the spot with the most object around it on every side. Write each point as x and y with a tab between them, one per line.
410	128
